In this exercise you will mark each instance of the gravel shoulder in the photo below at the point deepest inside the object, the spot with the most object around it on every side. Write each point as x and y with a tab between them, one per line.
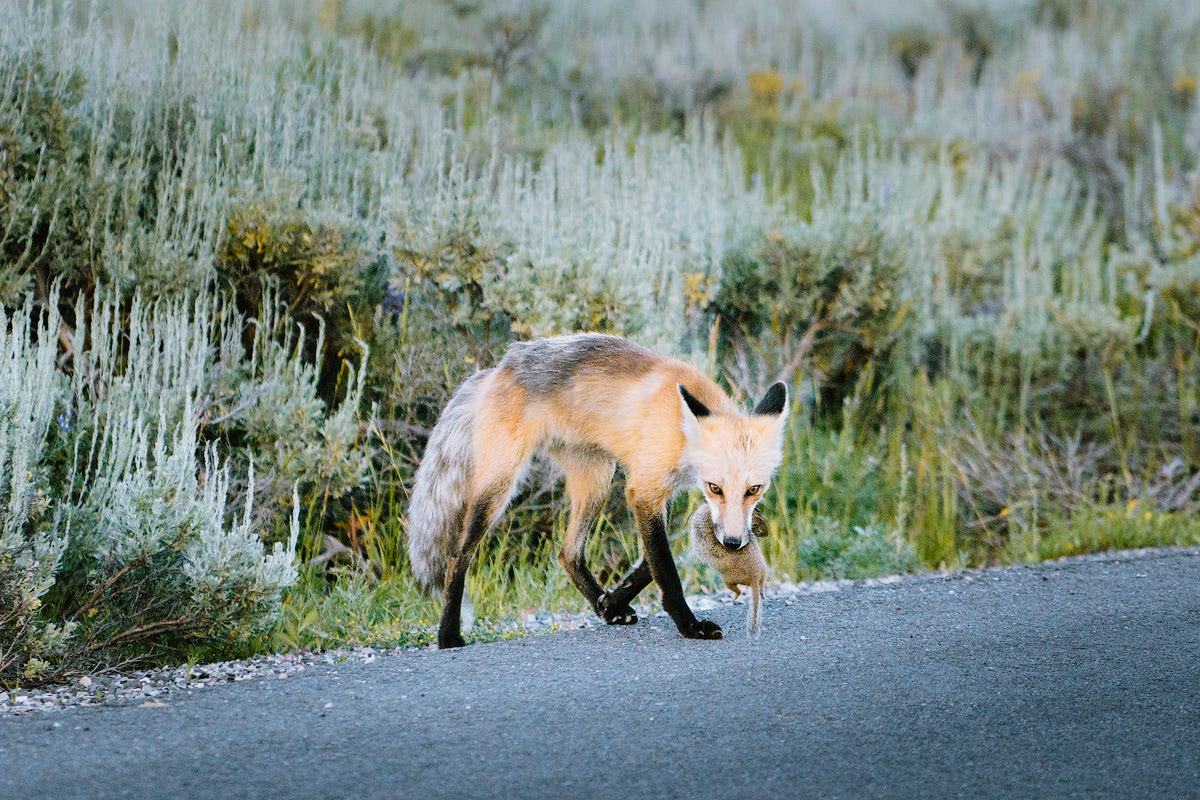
1069	679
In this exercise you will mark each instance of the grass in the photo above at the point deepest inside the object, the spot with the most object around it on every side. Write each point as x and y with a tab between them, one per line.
1096	530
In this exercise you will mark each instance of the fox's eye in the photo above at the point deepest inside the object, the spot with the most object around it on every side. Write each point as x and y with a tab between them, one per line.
712	487
754	490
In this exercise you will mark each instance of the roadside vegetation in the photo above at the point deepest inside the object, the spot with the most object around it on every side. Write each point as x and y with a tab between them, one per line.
246	255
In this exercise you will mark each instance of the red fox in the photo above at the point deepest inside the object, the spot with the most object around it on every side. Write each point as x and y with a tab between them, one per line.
590	402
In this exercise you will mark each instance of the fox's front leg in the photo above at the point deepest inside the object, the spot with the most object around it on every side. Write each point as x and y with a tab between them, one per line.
652	525
614	605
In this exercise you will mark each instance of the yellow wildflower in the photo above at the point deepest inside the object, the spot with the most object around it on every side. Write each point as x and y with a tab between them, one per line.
766	85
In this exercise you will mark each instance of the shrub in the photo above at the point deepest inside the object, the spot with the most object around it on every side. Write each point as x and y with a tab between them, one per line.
320	271
827	299
116	541
264	402
32	537
41	176
831	551
160	566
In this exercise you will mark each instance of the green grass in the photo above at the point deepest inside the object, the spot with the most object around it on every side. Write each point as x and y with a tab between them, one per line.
1095	530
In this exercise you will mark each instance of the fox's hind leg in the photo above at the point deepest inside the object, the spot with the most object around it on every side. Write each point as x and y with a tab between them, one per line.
588	481
500	461
480	514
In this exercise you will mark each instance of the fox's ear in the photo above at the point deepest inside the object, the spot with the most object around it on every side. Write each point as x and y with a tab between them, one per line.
691	409
697	408
774	402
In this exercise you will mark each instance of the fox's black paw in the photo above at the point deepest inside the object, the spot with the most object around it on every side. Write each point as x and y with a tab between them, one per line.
447	641
620	616
701	629
616	615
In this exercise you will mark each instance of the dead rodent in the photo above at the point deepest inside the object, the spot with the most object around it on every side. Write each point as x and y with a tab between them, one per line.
745	567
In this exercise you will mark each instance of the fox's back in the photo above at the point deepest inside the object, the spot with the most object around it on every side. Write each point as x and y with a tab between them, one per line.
544	368
598	390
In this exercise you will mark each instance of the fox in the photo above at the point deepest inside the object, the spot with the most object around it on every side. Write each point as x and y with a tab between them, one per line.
590	402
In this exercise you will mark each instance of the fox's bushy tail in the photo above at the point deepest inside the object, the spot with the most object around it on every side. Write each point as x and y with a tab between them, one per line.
439	496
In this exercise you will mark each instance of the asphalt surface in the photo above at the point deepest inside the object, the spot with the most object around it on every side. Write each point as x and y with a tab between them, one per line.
1069	680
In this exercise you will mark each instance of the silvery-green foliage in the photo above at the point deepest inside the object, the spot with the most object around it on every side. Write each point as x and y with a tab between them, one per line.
610	240
984	73
203	111
199	110
153	554
627	237
201	373
1009	251
165	520
1161	267
184	112
32	540
268	397
29	393
144	366
135	368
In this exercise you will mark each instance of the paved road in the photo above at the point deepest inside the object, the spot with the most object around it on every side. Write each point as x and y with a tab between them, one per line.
1070	680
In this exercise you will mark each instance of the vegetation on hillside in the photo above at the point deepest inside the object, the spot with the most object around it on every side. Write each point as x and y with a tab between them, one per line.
246	256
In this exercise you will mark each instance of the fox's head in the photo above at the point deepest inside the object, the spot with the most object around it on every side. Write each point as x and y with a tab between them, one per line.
734	457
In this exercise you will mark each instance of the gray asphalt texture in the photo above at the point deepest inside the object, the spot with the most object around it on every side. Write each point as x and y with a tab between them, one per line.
1066	680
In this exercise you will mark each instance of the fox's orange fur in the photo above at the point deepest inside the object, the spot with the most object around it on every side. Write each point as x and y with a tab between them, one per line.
591	402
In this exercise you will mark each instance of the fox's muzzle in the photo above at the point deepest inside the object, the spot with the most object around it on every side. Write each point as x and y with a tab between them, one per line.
731	542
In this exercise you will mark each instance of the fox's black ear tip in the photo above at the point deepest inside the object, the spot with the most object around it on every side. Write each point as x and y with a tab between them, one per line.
697	408
774	401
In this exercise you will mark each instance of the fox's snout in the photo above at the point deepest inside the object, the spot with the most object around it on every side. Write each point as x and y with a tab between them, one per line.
731	542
